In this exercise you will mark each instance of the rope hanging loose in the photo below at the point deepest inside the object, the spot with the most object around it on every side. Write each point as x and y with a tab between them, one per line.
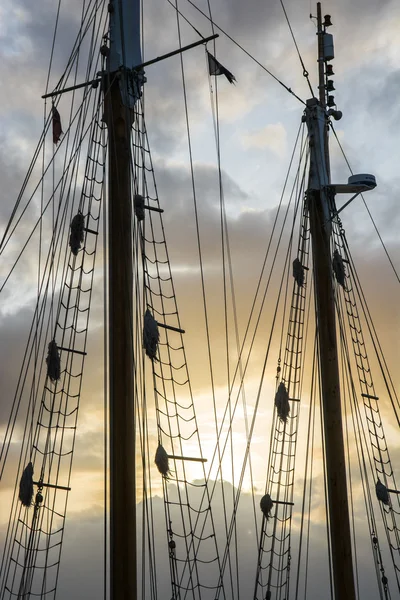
151	335
266	505
338	268
298	272
53	362
282	402
26	485
162	462
138	206
382	492
76	235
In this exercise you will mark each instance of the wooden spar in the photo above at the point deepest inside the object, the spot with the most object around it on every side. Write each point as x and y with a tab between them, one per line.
123	568
320	227
95	82
193	459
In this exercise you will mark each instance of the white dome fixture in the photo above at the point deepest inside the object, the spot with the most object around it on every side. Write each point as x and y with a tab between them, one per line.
356	184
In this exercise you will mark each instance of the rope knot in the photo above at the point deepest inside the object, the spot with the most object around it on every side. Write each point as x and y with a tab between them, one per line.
76	235
298	272
382	492
138	206
162	462
53	362
266	505
338	268
282	402
151	335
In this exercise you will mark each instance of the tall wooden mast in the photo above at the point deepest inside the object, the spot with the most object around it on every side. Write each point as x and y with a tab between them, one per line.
119	102
321	206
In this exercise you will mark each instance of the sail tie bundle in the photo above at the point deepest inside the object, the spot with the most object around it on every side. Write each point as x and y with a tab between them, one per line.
138	206
76	236
338	268
151	335
53	362
382	492
298	272
57	129
266	505
26	485
162	461
282	402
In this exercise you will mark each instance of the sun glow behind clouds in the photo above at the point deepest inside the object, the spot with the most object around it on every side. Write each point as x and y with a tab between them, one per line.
255	150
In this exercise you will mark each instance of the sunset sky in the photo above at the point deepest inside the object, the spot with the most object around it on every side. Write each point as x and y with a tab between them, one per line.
259	121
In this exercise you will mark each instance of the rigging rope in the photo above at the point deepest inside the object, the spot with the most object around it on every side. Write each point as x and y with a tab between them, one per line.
91	19
288	89
240	483
56	415
305	72
276	557
362	447
247	362
177	424
365	204
224	253
375	429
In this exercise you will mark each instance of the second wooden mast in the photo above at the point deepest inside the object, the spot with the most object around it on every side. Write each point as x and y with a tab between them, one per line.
321	205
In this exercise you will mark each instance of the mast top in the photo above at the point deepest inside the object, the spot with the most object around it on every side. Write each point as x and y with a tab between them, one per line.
125	44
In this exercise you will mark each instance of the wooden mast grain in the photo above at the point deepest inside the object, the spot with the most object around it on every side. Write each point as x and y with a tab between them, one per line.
123	568
331	407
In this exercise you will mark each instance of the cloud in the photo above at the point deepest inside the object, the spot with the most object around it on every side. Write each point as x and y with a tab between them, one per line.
272	136
255	143
84	538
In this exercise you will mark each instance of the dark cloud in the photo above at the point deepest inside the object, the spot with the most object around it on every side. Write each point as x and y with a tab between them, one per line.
15	331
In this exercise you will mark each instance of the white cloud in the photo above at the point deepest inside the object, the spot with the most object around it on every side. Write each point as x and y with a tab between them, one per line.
272	136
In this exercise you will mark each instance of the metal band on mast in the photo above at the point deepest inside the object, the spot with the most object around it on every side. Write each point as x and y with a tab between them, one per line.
321	204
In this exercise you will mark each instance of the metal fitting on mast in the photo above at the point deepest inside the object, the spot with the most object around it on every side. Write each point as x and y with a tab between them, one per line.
316	119
125	48
124	34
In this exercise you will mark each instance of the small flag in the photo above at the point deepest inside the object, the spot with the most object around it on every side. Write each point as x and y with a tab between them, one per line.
215	68
57	130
